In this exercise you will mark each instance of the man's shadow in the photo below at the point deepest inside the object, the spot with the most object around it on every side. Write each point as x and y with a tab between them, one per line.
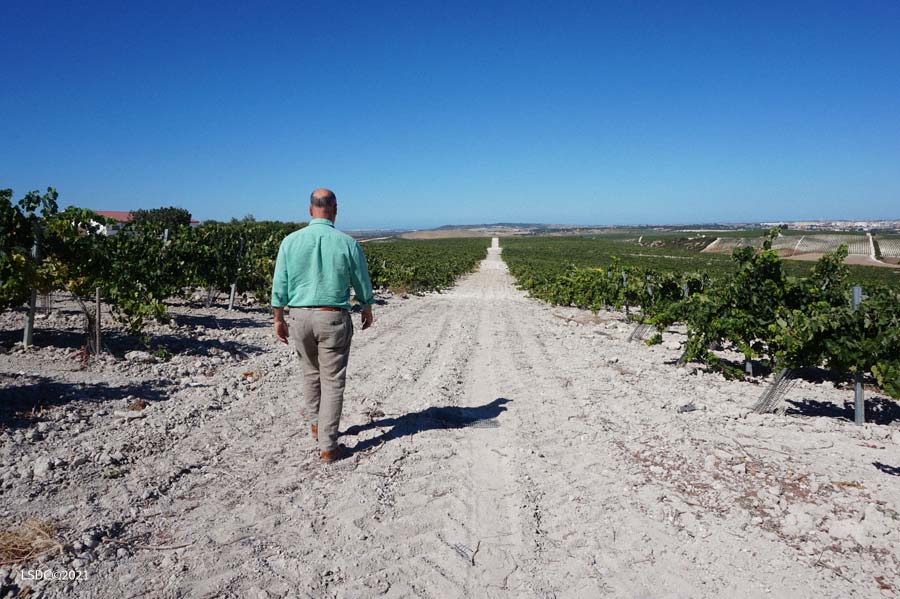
445	417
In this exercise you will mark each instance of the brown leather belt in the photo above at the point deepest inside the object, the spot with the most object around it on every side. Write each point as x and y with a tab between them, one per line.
328	308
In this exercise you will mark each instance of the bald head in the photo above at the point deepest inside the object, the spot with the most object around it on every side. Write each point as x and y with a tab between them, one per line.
323	204
323	198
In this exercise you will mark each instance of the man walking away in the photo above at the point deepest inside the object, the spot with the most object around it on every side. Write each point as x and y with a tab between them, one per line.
315	268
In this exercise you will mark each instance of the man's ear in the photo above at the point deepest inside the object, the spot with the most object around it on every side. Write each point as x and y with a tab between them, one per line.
310	211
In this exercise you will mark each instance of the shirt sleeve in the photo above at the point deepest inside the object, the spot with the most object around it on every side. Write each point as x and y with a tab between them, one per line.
359	276
280	280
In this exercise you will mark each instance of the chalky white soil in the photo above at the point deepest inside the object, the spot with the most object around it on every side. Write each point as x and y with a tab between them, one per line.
501	448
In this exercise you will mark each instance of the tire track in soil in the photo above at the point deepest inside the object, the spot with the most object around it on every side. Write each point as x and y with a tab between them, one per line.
271	445
420	366
380	387
419	527
565	494
454	494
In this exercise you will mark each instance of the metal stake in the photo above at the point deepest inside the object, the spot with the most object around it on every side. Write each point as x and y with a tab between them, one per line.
28	337
859	402
97	339
231	297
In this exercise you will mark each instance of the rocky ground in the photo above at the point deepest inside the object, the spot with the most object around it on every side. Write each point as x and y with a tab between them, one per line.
501	448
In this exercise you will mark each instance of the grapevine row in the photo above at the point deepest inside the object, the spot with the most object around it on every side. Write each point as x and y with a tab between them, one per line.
784	321
145	263
406	265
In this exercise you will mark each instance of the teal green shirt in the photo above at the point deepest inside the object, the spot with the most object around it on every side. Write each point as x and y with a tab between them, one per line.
317	265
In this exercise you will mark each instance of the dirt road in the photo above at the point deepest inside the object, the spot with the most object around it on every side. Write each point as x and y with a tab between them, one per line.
502	448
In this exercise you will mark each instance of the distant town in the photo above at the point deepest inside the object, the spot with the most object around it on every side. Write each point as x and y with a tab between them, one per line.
871	226
528	229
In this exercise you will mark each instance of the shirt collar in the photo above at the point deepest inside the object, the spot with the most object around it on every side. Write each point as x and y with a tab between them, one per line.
321	221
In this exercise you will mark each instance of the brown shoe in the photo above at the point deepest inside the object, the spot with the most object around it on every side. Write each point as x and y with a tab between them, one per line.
314	429
338	453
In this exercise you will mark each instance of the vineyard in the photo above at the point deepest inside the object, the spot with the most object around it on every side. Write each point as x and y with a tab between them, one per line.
676	253
142	267
432	265
889	246
857	245
778	320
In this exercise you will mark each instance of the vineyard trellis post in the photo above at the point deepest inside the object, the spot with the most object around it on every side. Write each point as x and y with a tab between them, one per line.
859	403
98	347
28	337
234	284
231	297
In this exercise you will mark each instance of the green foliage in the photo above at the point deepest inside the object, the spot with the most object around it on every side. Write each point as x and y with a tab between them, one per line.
755	307
422	265
163	354
242	252
74	252
855	341
143	270
740	308
162	218
656	339
660	252
20	270
141	267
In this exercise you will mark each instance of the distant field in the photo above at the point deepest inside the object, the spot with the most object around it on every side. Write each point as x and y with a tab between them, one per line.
672	252
809	247
447	234
790	245
889	245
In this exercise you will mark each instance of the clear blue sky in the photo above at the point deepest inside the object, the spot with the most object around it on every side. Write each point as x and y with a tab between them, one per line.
428	113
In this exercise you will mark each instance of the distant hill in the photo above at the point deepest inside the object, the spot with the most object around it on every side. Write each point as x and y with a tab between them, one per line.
492	225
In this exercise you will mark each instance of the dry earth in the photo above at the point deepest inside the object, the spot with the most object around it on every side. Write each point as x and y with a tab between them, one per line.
501	448
860	260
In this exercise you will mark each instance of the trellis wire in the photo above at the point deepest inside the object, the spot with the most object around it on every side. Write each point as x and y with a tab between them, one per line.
773	397
46	303
639	332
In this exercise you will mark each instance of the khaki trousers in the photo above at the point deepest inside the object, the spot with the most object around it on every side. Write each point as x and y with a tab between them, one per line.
322	342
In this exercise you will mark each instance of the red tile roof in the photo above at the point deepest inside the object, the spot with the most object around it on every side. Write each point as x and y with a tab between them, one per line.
124	217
